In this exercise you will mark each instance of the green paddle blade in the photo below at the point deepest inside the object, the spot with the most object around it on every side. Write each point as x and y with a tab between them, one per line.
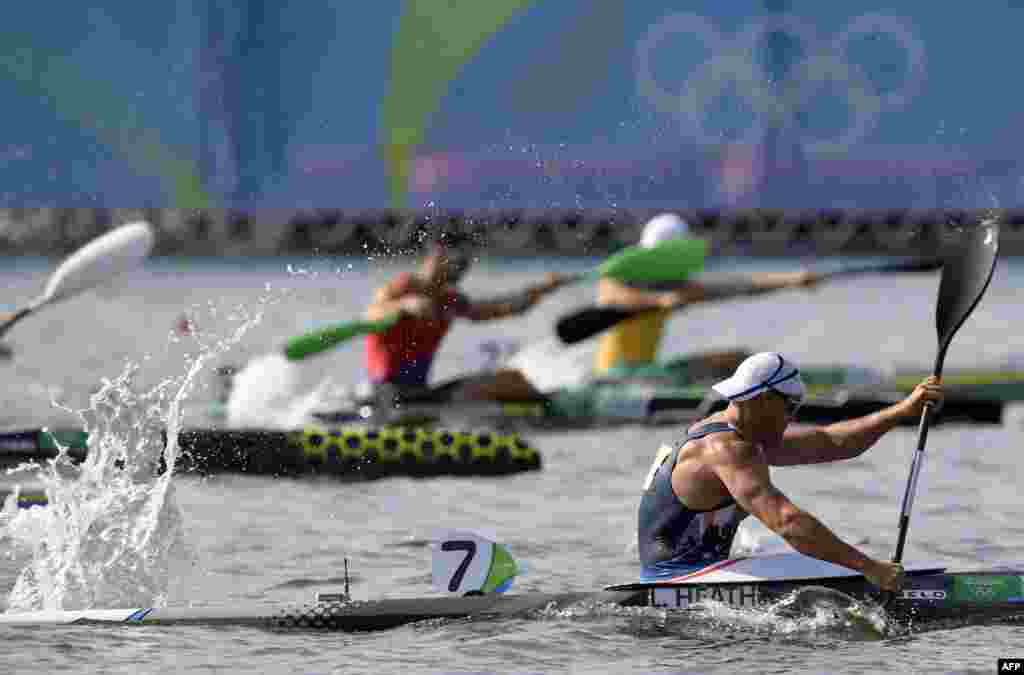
322	339
673	260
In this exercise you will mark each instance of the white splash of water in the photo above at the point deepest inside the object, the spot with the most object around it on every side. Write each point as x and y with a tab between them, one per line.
810	610
272	392
111	534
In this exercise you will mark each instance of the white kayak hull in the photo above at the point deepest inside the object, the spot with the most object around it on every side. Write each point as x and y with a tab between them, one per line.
780	567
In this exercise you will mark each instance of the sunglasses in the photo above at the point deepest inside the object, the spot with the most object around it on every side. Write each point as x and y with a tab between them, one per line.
792	403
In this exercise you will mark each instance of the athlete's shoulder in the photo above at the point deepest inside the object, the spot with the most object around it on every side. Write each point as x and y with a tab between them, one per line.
710	427
705	437
728	447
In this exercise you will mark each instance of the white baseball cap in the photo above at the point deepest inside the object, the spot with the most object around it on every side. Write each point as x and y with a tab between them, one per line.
759	373
663	227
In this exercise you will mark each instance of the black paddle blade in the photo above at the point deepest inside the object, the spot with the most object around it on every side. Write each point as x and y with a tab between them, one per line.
581	325
965	277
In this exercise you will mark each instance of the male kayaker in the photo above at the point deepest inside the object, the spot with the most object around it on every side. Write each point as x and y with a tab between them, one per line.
699	491
428	301
630	348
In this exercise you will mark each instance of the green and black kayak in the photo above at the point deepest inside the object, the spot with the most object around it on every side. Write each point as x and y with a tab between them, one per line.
670	395
834	393
977	385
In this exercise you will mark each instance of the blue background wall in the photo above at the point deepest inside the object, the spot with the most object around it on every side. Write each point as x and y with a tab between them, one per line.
257	104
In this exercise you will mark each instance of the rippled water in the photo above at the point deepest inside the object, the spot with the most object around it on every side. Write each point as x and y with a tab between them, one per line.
258	539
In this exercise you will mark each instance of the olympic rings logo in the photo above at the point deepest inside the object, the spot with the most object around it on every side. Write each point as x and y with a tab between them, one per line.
733	63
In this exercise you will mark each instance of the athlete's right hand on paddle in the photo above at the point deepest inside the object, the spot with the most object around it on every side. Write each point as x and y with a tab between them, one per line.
929	391
888	576
775	281
805	279
552	282
417	306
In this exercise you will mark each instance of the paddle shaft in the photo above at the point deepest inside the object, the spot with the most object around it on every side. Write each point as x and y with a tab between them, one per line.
323	339
678	257
961	288
590	321
926	265
915	472
915	469
918	460
15	318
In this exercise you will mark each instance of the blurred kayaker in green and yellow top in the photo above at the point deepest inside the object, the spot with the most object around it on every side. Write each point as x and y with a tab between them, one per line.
630	348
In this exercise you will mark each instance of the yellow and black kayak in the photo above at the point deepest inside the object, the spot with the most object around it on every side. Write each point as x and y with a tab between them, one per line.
350	452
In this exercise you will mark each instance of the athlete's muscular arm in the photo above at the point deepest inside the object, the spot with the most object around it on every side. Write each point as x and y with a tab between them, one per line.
745	474
851	438
757	284
500	308
611	292
615	293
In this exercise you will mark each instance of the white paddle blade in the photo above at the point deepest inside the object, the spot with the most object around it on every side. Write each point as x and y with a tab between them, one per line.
99	261
466	562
